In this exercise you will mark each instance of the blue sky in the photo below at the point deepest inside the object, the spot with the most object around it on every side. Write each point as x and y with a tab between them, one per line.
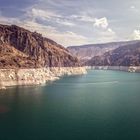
75	22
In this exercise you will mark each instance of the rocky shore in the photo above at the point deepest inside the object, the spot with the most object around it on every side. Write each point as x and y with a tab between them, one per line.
12	77
121	68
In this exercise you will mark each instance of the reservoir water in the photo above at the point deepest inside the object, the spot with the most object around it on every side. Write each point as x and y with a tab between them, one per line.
102	105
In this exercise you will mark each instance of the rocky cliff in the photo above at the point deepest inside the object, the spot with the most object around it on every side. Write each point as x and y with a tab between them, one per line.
28	58
86	52
20	48
128	55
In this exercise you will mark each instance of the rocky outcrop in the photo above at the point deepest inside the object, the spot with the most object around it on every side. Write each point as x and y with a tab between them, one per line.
20	48
12	77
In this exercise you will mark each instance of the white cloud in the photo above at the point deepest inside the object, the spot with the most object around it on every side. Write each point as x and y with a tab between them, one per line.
9	21
107	36
64	22
49	16
136	35
69	38
132	7
101	23
111	31
65	38
44	13
104	32
82	17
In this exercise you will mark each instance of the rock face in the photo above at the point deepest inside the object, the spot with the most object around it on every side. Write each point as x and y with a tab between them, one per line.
86	52
11	77
128	55
27	58
20	48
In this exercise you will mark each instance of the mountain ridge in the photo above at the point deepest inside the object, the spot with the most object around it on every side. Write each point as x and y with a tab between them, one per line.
127	55
86	52
21	48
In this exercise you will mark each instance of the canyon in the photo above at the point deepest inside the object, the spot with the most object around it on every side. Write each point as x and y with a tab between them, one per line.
110	54
86	52
28	58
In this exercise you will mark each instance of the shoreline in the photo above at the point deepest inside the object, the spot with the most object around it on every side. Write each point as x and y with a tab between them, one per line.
13	77
134	69
39	76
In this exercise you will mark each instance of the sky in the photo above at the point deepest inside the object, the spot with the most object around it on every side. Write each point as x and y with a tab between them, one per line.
75	22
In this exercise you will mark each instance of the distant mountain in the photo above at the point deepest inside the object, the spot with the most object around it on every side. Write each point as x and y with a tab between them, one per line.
127	55
86	52
20	48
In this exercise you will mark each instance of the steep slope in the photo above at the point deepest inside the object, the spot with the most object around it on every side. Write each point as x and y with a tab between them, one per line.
86	52
128	55
13	58
20	48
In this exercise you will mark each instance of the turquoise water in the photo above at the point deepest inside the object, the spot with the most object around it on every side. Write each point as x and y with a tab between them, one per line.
102	105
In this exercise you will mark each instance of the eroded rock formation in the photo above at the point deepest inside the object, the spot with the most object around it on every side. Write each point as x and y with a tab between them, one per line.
28	58
20	48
